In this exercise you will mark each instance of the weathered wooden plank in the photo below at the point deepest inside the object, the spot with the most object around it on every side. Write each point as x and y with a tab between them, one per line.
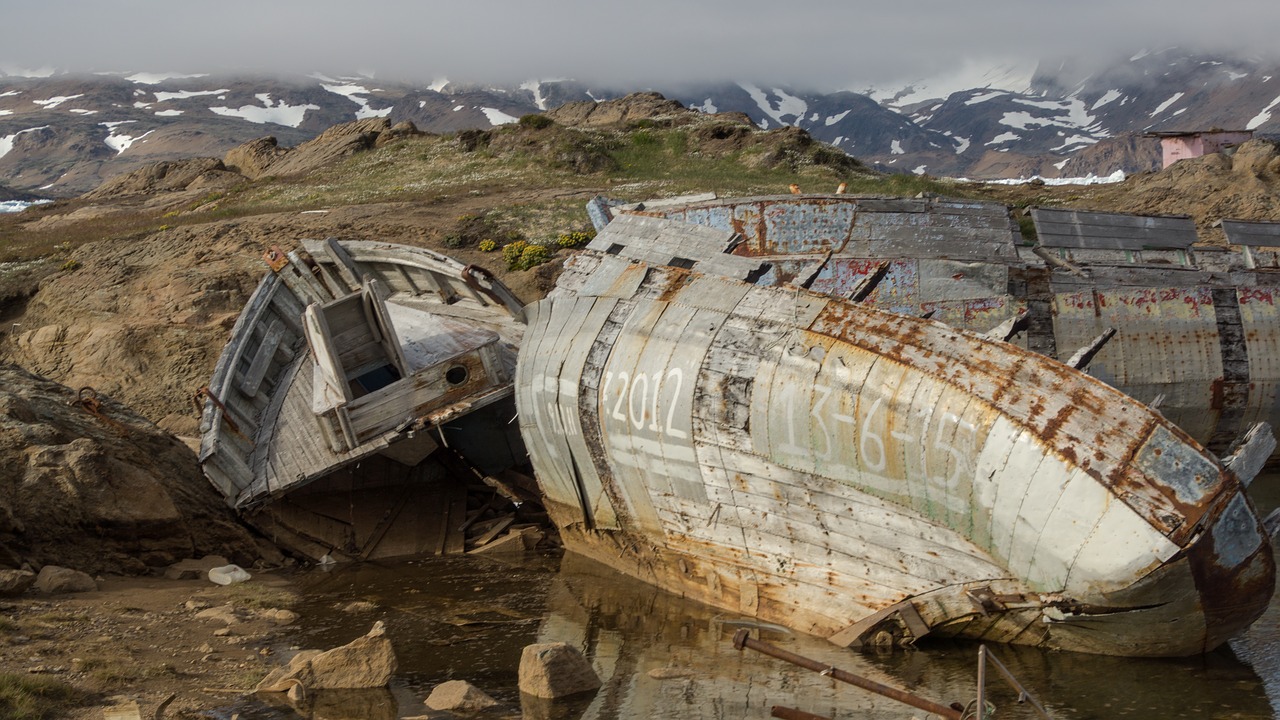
1072	228
1254	234
252	378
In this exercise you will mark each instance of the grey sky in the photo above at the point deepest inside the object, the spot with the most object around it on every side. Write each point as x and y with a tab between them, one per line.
823	44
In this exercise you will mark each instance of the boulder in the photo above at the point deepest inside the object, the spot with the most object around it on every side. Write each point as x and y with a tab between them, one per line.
636	106
226	614
555	670
15	582
459	696
86	482
279	616
366	662
55	580
192	569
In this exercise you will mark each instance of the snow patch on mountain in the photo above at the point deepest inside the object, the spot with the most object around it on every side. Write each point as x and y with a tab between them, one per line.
535	88
6	141
277	113
1165	105
1109	96
1262	116
118	141
353	93
184	94
1011	76
985	97
497	117
54	102
787	104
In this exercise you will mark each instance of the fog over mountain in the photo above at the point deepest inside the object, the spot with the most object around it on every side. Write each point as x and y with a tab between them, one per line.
823	45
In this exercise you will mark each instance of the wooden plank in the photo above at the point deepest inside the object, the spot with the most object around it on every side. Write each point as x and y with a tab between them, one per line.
1253	234
1070	228
252	378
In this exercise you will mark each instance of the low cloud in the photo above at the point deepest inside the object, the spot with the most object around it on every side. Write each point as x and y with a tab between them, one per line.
821	44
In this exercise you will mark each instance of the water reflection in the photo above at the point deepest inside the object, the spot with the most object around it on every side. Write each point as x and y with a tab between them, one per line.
663	657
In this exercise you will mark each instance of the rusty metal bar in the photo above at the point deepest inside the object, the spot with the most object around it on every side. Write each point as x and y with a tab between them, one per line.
787	713
742	639
1023	696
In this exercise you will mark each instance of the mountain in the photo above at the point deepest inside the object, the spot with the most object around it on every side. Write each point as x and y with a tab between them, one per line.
63	135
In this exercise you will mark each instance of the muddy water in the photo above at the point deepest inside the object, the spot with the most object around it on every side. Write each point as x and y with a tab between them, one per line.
662	657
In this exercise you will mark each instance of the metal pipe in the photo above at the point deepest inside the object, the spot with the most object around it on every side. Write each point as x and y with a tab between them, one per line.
743	639
1023	695
981	703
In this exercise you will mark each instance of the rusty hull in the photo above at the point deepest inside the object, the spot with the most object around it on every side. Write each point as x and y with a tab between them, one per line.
858	474
1197	327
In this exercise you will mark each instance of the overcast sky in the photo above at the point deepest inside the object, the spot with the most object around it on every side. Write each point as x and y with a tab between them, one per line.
822	44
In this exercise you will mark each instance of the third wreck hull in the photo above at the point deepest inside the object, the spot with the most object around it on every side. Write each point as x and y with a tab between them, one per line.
866	476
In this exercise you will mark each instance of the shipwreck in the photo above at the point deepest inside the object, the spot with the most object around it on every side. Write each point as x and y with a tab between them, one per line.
721	425
1189	328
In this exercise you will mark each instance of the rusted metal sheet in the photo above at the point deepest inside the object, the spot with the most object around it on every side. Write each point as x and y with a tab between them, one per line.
1168	346
813	461
1214	374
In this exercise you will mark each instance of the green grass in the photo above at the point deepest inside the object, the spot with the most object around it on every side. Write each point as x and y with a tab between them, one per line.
34	697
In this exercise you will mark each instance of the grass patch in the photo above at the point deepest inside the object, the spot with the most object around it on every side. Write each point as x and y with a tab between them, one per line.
254	595
35	697
647	159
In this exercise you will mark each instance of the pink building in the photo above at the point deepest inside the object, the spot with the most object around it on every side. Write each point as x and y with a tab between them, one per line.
1182	145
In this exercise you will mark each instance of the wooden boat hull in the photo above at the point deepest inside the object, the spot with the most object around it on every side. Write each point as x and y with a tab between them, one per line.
871	477
351	367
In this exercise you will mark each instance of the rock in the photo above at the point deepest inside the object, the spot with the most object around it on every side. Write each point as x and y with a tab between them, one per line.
192	569
279	616
8	558
156	559
228	575
270	554
226	614
459	695
555	670
55	580
15	582
167	176
86	482
359	606
636	106
366	662
262	157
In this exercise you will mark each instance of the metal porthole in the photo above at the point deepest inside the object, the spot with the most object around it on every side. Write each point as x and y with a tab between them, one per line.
456	375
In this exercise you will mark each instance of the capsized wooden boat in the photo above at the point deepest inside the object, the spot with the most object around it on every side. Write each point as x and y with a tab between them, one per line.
363	386
869	476
1197	327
